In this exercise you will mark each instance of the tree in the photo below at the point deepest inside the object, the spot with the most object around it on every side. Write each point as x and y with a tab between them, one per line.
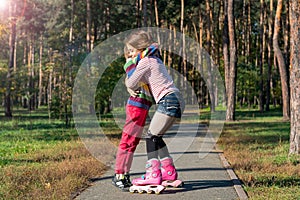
12	39
281	63
209	35
261	54
231	87
270	32
294	77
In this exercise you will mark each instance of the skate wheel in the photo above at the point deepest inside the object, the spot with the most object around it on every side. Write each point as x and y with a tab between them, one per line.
140	191
131	190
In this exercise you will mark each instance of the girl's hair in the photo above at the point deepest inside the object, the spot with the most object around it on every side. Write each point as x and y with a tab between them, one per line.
126	52
139	40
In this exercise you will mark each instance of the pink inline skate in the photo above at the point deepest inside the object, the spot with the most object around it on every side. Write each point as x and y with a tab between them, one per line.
151	181
152	176
169	174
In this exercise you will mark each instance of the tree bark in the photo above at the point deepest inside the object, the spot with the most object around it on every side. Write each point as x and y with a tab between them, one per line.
269	75
231	91
138	11
210	79
12	38
295	77
156	13
249	30
40	73
281	63
226	45
261	55
145	15
88	26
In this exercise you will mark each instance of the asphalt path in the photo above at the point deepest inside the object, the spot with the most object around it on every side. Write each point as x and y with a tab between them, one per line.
204	170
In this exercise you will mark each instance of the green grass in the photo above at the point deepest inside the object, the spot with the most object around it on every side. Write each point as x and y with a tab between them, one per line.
43	158
257	147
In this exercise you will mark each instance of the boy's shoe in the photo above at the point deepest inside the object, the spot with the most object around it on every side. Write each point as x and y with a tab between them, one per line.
127	182
121	181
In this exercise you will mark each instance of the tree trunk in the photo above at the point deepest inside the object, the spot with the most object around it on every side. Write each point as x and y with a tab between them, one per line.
145	15
295	76
210	79
88	26
281	63
138	11
226	46
249	30
286	34
269	75
40	73
156	13
71	39
30	68
231	91
12	38
261	55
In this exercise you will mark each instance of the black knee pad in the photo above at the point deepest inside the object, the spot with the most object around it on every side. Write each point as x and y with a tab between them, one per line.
154	138
157	140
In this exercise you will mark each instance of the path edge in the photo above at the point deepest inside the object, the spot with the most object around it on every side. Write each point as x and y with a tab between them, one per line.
236	181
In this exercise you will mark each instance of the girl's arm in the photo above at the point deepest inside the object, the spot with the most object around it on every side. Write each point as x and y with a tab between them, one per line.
133	82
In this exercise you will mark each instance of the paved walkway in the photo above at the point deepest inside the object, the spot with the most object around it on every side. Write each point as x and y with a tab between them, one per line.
203	171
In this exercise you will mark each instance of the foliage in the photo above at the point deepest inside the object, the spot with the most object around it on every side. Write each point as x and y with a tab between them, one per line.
107	83
49	23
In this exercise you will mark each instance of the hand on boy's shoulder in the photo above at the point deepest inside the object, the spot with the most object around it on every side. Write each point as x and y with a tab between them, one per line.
133	93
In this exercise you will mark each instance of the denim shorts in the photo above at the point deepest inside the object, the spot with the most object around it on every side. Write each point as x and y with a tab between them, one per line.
171	104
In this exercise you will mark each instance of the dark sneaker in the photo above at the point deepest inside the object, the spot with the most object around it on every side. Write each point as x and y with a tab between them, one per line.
119	183
127	182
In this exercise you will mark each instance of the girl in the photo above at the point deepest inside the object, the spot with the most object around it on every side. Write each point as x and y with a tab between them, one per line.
151	71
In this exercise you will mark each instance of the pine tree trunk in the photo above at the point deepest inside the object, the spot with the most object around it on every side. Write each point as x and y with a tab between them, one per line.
281	63
29	74
145	15
138	11
226	46
286	35
249	30
12	38
40	73
210	79
88	26
269	74
231	91
295	77
261	56
156	13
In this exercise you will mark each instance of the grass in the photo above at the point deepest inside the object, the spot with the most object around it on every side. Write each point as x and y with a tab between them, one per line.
257	146
42	159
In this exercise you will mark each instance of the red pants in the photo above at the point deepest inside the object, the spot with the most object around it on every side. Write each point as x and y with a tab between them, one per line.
131	135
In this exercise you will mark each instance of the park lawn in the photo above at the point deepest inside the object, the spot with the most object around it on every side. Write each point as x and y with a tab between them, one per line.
257	146
42	159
